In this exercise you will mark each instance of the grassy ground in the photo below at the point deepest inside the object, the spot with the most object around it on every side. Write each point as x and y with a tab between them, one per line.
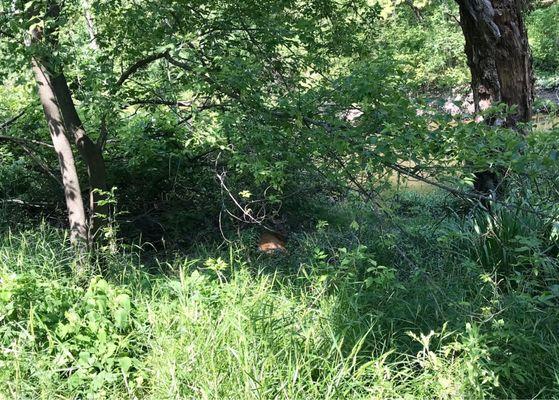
342	316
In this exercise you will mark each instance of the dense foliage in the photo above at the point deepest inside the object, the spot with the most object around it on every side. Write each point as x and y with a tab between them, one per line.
333	123
544	36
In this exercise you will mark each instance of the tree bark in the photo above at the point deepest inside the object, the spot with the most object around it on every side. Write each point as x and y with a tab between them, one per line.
72	192
90	153
498	55
90	24
500	63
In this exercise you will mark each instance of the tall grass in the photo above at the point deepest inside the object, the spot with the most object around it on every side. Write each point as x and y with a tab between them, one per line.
325	322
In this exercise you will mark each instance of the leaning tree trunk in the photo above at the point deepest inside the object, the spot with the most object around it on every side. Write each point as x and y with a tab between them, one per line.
500	63
72	192
89	152
55	92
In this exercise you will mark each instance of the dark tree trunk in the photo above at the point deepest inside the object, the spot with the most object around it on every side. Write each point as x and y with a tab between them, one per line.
500	63
498	54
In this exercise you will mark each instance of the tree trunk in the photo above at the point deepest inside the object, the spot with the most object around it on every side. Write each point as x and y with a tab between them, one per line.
72	192
500	63
89	152
498	55
90	24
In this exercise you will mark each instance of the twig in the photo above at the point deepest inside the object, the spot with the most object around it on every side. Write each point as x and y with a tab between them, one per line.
246	213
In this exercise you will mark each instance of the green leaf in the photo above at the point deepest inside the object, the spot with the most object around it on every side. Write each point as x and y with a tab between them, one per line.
121	317
125	363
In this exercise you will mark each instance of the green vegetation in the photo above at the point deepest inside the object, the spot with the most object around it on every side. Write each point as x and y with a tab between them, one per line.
544	40
153	152
323	322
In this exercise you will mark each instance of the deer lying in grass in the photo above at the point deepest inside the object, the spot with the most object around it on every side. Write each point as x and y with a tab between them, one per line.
271	242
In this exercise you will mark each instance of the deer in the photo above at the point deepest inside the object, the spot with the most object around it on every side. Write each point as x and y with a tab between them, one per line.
271	242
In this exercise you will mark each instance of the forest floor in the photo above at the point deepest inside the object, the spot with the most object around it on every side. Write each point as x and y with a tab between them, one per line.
341	316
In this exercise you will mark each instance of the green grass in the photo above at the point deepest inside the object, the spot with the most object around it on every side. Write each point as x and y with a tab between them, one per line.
340	317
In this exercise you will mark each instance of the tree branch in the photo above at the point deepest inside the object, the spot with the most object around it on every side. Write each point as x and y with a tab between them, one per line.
23	142
12	120
33	155
461	193
42	164
175	103
27	204
160	102
177	63
139	65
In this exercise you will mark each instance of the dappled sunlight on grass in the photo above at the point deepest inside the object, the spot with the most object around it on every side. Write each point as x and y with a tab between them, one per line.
339	317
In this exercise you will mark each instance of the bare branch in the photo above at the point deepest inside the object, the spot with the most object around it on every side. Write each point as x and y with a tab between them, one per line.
22	141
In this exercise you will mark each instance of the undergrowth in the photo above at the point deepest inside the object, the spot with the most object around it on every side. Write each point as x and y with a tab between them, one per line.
341	316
